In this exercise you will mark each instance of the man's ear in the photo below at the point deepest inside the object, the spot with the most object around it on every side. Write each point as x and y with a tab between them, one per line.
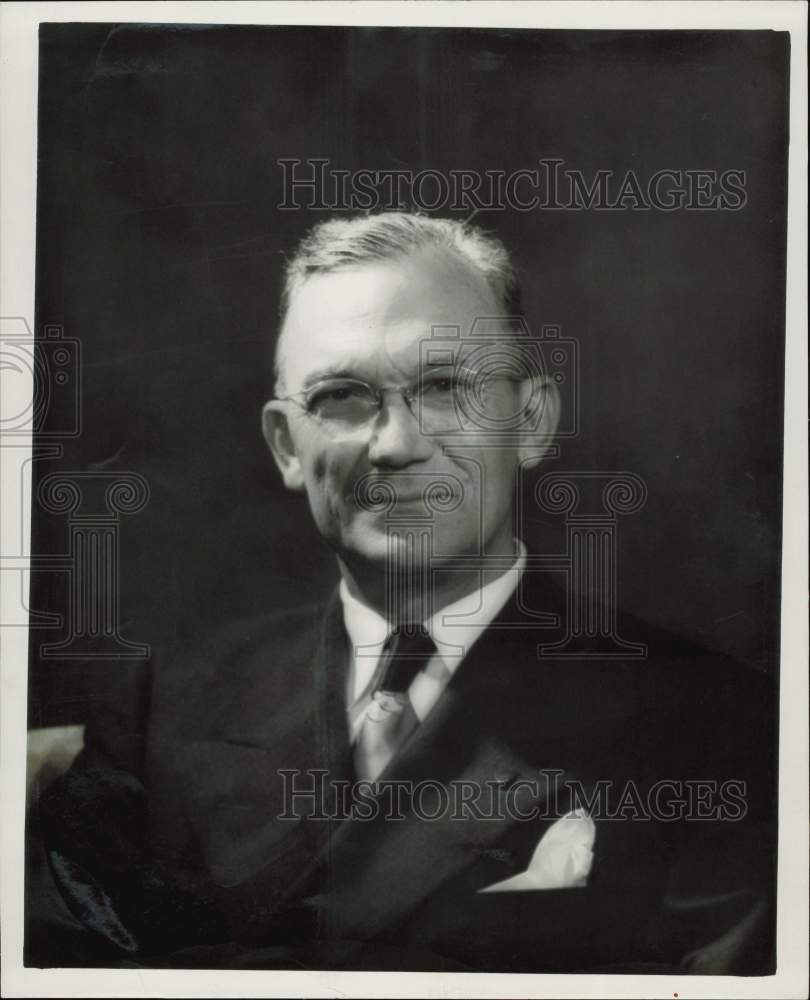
276	430
541	399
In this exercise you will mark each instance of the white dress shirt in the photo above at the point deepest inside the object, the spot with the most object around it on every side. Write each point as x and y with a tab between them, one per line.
453	629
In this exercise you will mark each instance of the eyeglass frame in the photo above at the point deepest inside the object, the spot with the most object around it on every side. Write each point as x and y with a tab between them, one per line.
408	392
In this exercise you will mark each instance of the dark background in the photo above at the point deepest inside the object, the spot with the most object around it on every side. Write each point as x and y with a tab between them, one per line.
160	246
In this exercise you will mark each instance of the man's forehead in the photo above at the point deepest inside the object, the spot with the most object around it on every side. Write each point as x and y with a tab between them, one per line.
371	312
425	280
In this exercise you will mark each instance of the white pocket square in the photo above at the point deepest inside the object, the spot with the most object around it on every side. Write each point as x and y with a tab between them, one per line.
562	859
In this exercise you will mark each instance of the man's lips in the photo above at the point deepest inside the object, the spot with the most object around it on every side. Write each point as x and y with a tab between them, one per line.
410	497
432	492
418	498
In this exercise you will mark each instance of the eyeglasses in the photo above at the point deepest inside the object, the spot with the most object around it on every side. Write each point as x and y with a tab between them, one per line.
437	399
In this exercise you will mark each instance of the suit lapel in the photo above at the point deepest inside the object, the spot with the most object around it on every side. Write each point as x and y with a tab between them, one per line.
280	726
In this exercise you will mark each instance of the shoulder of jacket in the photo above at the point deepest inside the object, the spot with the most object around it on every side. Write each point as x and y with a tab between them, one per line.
188	665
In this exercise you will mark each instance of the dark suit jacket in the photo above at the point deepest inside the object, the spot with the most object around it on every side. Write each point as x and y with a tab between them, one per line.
166	841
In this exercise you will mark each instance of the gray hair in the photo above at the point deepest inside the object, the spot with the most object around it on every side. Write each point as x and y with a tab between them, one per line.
367	239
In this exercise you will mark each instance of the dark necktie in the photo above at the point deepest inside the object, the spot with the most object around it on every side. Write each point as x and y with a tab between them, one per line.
390	718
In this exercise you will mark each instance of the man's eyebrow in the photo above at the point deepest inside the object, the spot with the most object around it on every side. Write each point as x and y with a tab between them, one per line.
345	371
332	371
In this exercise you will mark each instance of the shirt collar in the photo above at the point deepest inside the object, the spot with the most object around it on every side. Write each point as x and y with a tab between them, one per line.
454	628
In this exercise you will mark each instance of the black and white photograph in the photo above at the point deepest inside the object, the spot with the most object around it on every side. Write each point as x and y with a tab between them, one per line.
405	532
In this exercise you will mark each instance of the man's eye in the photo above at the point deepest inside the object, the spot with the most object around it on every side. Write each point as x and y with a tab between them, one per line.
336	394
444	384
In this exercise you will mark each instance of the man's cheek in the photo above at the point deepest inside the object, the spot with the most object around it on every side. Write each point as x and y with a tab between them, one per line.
318	467
329	483
323	477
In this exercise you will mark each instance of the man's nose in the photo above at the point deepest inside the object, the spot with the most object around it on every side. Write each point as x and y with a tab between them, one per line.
396	438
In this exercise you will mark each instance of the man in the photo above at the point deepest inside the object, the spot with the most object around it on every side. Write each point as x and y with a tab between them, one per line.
399	780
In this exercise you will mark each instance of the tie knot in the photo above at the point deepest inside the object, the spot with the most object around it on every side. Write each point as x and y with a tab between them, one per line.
407	651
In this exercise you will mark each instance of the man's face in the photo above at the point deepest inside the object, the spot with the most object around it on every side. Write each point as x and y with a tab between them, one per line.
367	323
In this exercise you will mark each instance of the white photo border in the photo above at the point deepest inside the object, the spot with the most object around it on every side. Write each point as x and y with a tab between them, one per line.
18	121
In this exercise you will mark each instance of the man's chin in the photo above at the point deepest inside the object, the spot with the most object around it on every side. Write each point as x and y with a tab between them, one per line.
385	551
397	550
